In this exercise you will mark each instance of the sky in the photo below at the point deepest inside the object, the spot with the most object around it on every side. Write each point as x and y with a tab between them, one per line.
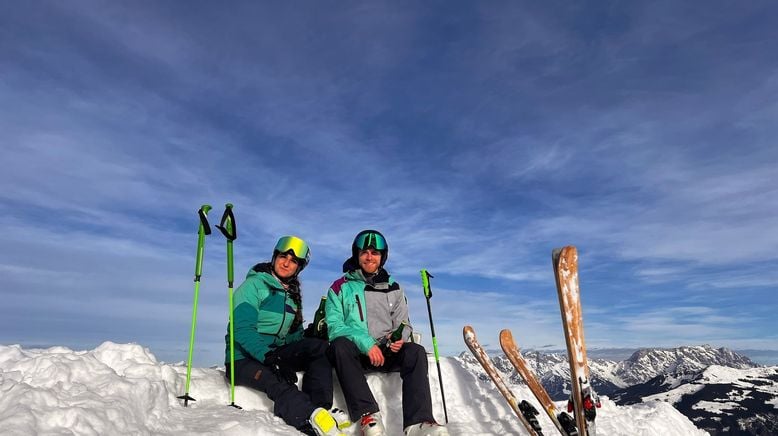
477	136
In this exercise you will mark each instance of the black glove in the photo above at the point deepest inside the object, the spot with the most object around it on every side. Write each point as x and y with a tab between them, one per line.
278	367
308	332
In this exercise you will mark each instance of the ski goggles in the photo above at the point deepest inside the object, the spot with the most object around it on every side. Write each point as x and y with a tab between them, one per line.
296	245
370	239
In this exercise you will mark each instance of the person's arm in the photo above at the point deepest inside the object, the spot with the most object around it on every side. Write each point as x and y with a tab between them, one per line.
247	300
337	327
400	314
295	336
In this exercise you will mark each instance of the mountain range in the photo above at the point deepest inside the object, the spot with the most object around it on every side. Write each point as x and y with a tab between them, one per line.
719	390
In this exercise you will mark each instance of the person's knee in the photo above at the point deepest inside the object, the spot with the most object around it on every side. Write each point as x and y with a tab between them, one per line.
415	352
275	387
341	347
415	349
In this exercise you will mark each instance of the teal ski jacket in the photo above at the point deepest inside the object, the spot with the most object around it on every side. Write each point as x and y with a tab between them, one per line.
353	299
264	314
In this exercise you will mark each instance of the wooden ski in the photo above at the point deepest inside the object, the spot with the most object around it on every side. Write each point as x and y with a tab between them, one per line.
583	396
524	410
563	422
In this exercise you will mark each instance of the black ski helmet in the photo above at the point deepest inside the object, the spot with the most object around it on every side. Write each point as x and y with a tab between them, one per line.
370	238
299	250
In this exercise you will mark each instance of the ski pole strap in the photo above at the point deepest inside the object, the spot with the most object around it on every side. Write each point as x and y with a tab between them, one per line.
203	213
203	229
227	224
425	281
435	347
230	231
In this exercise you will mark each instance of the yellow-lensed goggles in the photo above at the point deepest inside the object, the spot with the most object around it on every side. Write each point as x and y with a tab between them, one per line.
297	246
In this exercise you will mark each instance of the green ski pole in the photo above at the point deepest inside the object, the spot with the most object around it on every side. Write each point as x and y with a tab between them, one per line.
425	281
230	231
205	229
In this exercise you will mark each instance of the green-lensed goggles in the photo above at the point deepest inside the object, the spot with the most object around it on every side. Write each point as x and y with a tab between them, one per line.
374	240
296	245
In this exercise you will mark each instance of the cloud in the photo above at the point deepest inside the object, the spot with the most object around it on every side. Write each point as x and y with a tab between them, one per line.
488	312
476	138
669	326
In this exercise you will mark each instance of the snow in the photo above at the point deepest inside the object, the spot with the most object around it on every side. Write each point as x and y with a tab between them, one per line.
122	389
716	407
673	396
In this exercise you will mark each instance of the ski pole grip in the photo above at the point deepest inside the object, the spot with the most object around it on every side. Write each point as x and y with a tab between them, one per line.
204	229
425	282
203	213
227	225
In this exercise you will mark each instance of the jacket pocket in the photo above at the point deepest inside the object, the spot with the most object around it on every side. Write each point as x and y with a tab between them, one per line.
359	306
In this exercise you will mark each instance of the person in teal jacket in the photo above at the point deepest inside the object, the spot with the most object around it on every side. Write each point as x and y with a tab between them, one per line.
270	347
364	307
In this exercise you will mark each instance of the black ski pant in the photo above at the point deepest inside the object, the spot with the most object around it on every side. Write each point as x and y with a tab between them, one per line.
289	403
410	362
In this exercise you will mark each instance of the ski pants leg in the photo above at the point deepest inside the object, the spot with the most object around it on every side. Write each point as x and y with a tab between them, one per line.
309	355
289	403
411	362
347	361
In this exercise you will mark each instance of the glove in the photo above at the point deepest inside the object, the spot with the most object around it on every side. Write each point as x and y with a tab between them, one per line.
278	367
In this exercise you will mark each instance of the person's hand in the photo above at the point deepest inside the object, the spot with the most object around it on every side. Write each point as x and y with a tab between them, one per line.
278	367
395	346
376	356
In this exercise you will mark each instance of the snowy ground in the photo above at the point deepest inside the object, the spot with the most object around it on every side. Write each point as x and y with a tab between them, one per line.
122	389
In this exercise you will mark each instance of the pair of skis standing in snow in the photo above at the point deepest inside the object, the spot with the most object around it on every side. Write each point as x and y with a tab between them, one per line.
583	399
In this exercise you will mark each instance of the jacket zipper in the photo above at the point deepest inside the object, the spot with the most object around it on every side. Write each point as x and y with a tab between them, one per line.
281	327
359	305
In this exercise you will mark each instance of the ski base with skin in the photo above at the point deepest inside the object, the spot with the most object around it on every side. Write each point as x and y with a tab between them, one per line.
584	400
563	422
525	411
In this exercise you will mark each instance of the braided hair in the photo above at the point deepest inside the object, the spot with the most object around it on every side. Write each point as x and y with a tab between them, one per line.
295	292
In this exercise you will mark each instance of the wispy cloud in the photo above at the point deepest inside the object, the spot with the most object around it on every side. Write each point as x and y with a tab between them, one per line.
476	138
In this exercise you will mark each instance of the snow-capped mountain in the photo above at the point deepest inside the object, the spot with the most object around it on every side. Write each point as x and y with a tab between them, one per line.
719	390
609	376
646	364
718	399
552	371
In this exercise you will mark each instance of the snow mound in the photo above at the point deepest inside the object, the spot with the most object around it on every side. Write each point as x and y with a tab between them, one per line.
123	389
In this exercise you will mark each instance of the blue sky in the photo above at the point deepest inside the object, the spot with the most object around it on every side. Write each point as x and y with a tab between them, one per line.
477	136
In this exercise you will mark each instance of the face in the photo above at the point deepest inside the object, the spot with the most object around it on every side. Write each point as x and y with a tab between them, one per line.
285	265
370	260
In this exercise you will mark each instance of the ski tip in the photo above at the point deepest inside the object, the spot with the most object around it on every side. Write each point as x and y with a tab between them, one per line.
563	253
468	332
507	342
